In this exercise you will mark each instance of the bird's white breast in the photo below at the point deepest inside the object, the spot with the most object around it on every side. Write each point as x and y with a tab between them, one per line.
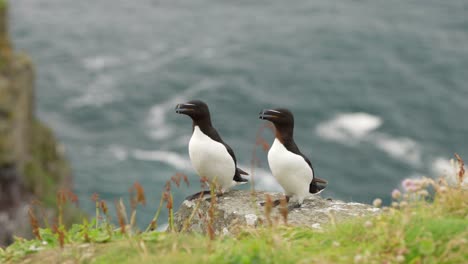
290	170
211	159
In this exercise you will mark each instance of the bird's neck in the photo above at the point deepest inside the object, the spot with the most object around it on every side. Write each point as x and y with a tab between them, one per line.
284	134
204	124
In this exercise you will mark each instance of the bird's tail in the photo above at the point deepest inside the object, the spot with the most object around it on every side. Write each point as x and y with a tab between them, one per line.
238	179
317	185
241	172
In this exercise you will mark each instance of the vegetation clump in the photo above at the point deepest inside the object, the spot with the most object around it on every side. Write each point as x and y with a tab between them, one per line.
3	3
426	223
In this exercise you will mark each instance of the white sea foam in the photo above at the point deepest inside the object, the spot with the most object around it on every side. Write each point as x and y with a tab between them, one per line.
448	169
119	152
156	121
349	128
98	93
354	128
171	158
100	62
442	166
403	149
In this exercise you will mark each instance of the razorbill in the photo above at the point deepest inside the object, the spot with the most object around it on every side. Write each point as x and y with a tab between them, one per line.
211	157
292	170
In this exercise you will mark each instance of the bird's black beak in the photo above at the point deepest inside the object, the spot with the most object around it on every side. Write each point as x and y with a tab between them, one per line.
268	114
184	108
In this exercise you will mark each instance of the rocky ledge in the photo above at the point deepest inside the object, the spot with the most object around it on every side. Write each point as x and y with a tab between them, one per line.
239	208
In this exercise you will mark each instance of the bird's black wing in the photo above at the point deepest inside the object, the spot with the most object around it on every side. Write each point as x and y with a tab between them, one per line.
317	184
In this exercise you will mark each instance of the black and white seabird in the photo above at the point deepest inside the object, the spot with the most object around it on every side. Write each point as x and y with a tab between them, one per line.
292	170
211	157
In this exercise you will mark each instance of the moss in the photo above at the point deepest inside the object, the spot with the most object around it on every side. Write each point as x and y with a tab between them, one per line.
3	3
5	47
46	169
6	120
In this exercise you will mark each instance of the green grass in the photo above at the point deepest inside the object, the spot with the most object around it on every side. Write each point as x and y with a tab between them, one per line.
413	231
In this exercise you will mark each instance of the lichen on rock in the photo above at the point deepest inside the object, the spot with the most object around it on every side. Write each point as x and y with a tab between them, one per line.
242	208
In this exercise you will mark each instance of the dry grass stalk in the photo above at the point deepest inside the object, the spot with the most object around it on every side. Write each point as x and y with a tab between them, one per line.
203	182
268	208
212	213
60	233
154	222
86	231
137	196
461	173
167	197
103	206
95	198
255	161
121	215
34	223
140	193
38	205
63	196
284	209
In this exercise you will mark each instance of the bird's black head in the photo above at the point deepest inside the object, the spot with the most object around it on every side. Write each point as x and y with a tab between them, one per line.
280	117
283	120
196	109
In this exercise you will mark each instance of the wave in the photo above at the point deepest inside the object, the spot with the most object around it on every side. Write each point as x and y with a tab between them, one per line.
119	152
354	128
100	62
171	158
100	92
348	128
403	149
131	57
164	56
449	170
442	166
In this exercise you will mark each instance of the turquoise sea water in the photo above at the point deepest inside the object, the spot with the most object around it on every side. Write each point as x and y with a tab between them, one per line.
379	88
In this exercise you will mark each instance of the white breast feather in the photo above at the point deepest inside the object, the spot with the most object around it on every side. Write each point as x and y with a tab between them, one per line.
211	159
290	170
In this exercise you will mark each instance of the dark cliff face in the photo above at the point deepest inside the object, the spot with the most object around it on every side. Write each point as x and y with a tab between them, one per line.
31	163
10	187
11	193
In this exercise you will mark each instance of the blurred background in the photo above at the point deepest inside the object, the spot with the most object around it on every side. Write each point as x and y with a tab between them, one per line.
378	88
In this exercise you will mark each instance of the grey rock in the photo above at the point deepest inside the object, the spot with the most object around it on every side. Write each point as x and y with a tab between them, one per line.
14	222
239	208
